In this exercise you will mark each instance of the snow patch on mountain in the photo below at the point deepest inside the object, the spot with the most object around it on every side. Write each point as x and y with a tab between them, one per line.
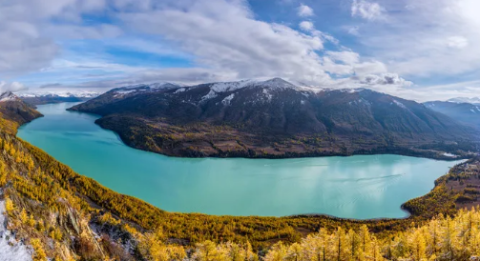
125	92
267	94
360	101
180	90
210	95
275	83
8	96
230	86
121	93
399	104
228	99
347	90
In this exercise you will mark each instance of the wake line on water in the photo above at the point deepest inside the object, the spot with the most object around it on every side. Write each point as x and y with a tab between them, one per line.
368	179
286	163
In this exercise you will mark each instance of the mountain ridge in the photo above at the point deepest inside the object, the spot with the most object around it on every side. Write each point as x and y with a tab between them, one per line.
466	113
272	118
13	109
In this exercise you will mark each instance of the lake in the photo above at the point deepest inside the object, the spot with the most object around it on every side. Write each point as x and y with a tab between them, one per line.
366	186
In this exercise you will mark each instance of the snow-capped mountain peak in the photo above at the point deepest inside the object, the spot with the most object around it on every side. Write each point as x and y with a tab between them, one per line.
276	83
8	96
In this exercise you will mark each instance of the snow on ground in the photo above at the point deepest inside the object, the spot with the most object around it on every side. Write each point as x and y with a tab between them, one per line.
121	93
180	90
450	155
231	86
125	92
9	98
211	94
10	249
267	94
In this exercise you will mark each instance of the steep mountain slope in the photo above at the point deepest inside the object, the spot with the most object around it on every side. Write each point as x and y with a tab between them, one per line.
12	108
272	118
466	113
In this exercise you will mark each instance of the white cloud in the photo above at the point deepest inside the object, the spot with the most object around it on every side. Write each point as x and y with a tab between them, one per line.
353	30
28	36
457	42
367	10
346	57
429	38
224	36
305	11
306	26
11	87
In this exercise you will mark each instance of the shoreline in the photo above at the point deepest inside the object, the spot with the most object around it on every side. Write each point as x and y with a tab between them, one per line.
293	155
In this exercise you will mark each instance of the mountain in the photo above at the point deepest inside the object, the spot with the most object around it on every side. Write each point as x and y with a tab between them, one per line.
13	109
39	98
274	118
466	113
474	100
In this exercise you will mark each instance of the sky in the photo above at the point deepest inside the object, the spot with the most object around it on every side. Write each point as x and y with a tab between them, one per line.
420	50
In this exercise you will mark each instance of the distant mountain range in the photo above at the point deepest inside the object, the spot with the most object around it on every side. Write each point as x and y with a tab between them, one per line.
466	113
474	100
39	98
274	118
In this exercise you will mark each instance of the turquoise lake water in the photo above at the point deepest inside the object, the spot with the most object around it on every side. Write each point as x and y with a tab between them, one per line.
351	187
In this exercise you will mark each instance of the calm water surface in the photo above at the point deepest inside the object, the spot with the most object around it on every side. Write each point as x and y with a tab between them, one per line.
351	187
